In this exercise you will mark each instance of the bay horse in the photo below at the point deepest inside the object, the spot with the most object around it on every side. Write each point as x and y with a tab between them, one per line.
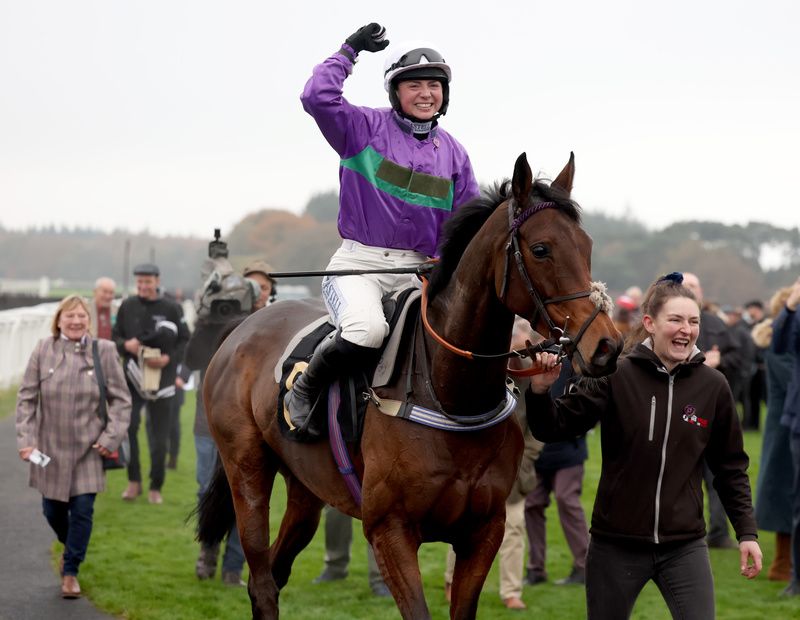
419	484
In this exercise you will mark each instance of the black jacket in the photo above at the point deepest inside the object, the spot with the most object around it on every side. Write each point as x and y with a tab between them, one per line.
656	429
715	333
562	454
138	318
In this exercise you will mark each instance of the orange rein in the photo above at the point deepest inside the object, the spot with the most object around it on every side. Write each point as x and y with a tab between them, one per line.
514	372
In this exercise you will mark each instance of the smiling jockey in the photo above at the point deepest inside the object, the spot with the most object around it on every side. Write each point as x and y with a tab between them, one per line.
401	176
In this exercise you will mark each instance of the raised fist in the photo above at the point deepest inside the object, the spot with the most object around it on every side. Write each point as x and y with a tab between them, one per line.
370	38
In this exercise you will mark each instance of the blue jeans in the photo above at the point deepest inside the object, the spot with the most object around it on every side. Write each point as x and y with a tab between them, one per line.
72	523
233	559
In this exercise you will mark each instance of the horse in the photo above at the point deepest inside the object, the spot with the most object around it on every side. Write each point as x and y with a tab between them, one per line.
519	249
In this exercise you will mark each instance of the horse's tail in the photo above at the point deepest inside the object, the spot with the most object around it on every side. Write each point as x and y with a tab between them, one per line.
215	514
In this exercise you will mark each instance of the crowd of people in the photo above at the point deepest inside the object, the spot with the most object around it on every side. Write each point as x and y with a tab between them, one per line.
139	344
698	373
62	364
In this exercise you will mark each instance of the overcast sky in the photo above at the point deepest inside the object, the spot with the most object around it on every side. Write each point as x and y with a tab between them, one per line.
183	116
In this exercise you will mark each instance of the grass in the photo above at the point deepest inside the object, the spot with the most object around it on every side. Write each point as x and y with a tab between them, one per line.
8	401
141	559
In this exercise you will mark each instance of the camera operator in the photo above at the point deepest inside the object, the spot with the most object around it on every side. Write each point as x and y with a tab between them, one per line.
259	271
149	324
225	300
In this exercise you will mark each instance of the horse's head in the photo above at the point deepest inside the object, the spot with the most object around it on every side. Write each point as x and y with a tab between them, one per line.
545	275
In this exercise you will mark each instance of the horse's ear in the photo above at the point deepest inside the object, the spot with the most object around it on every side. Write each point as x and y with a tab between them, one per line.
564	179
522	182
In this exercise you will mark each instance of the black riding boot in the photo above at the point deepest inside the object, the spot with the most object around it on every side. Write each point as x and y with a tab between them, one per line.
332	358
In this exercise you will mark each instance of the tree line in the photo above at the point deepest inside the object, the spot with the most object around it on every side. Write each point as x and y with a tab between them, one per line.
725	257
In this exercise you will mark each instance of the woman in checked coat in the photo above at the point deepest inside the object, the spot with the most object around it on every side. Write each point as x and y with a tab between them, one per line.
57	415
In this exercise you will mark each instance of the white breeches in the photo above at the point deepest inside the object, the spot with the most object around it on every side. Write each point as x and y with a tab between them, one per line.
354	302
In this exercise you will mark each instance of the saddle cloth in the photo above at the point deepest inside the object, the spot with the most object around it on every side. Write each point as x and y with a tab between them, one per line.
354	387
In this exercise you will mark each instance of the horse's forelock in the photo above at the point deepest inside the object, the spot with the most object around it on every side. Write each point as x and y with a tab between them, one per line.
550	193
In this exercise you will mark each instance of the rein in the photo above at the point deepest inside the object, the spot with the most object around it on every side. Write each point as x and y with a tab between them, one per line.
531	350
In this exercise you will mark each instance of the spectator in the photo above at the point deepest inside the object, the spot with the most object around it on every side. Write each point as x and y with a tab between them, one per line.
740	334
559	472
259	271
401	176
786	339
625	314
753	315
635	293
721	352
174	433
206	338
102	309
775	479
146	323
338	539
662	414
512	550
57	415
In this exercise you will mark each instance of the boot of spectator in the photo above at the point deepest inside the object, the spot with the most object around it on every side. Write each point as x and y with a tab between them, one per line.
206	566
781	567
133	491
231	578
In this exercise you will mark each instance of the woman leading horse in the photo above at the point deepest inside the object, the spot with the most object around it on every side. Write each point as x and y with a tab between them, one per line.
517	250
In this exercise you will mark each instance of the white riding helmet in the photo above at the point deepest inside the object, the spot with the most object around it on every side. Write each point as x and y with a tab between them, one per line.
415	60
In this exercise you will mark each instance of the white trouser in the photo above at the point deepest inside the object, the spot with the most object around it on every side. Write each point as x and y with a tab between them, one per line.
354	302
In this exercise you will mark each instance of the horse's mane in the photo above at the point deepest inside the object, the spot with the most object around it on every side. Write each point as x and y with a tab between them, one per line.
460	229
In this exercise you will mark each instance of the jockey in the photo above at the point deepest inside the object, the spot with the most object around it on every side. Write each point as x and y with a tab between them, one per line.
401	176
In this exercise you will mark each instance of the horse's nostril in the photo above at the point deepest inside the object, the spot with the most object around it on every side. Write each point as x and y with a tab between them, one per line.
607	351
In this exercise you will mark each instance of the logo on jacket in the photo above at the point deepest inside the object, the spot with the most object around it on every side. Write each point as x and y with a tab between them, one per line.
690	416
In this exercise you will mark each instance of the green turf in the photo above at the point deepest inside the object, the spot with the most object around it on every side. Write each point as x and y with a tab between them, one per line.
8	401
141	564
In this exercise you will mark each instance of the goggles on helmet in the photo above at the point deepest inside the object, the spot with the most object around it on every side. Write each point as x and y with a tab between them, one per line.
415	57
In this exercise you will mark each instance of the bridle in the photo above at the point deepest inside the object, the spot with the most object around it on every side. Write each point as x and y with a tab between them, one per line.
559	341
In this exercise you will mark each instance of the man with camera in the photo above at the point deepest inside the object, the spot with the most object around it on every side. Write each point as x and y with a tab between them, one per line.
223	301
259	272
150	334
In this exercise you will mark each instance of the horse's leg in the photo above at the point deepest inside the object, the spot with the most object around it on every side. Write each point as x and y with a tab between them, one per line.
252	475
474	559
396	546
298	526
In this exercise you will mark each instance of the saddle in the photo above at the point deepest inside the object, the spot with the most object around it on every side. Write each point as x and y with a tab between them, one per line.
401	310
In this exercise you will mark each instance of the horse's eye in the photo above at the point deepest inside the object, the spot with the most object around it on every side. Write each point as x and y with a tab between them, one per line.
540	250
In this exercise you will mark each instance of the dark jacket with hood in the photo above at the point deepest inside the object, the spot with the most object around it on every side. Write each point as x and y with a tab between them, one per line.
656	429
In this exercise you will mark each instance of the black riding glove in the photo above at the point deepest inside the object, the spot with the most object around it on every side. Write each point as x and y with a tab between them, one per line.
368	38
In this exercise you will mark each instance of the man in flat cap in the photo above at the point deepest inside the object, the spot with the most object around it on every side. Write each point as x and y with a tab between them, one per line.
154	326
259	271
